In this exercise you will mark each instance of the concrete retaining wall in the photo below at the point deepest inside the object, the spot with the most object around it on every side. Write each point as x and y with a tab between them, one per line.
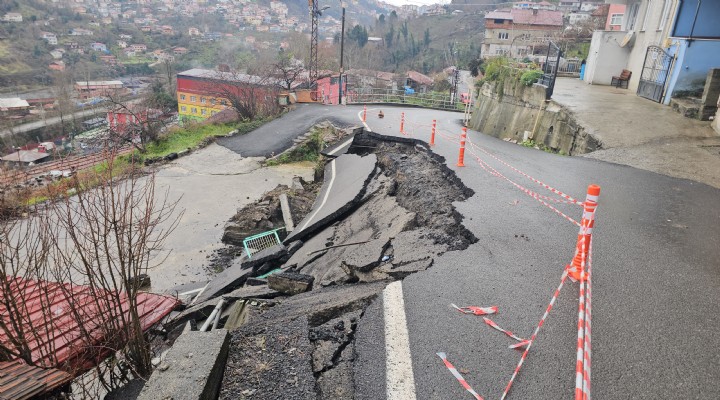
511	110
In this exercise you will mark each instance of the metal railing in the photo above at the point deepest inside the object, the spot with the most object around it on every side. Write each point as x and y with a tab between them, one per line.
569	67
261	241
550	69
442	101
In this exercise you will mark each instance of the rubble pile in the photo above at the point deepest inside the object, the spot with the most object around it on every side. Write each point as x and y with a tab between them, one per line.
292	310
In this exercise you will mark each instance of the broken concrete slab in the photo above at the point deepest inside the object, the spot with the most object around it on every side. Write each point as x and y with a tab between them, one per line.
401	271
338	382
331	338
344	186
287	215
252	292
290	282
273	253
192	369
237	315
269	361
324	304
365	257
224	282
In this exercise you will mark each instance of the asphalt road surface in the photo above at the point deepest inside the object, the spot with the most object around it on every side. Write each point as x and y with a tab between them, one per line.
656	279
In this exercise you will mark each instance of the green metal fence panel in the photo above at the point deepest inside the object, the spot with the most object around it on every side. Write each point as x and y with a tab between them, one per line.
261	241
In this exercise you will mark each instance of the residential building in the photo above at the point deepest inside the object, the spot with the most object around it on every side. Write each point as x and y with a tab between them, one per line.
98	47
669	47
57	54
80	32
519	32
88	89
417	81
13	106
616	13
12	17
58	65
138	47
529	5
49	37
328	89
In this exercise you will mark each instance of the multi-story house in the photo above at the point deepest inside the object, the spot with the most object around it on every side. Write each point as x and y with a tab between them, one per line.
518	32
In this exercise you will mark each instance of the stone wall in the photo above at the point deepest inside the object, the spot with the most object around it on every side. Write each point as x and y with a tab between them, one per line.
711	95
517	112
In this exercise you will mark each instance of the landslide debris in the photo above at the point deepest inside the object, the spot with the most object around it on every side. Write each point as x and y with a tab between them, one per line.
303	346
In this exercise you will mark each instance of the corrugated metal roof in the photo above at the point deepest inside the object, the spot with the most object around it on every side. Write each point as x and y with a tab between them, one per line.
19	381
58	313
26	156
13	102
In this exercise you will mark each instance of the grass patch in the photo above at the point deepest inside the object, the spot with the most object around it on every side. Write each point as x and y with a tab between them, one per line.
308	151
179	139
531	143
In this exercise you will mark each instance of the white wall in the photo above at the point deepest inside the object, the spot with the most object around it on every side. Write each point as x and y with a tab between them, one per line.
606	58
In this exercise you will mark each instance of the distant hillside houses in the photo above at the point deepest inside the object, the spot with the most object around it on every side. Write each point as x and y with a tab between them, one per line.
12	17
517	33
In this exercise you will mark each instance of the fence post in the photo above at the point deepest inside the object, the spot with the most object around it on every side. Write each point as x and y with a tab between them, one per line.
461	155
432	134
402	123
364	113
576	269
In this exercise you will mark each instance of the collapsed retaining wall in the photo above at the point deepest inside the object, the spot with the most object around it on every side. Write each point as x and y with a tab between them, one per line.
511	110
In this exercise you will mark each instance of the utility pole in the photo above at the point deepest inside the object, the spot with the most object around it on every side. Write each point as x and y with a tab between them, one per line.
342	49
314	13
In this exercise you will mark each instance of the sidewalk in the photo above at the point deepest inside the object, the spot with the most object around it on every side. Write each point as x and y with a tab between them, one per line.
641	133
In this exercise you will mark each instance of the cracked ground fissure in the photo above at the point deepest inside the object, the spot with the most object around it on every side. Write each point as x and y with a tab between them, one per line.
303	346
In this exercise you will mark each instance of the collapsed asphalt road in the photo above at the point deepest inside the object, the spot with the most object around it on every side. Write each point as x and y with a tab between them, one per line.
656	283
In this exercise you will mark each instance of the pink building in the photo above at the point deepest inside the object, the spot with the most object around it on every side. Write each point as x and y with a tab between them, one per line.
615	17
328	89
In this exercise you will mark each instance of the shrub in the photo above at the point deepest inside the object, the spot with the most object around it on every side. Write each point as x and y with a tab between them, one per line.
530	76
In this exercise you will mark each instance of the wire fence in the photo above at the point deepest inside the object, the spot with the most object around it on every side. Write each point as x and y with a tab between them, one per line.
261	241
441	101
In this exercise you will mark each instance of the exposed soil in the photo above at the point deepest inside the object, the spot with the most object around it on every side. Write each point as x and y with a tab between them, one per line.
303	347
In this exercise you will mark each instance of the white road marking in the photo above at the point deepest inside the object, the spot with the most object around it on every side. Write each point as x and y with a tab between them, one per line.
324	200
399	381
341	146
363	122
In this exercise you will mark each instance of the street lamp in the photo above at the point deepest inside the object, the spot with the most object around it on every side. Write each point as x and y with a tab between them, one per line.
342	49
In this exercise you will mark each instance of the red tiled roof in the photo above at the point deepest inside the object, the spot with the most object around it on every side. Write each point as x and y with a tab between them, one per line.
19	381
537	17
420	78
56	339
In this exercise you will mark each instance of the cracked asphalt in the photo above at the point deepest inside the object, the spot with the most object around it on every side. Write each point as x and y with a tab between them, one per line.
656	276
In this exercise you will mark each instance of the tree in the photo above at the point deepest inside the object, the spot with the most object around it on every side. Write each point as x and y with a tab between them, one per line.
102	238
475	66
426	38
251	96
287	70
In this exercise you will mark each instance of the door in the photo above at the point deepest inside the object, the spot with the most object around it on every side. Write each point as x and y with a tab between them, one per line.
656	69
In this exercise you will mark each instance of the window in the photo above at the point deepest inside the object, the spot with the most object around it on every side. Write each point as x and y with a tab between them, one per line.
193	110
203	111
193	98
616	19
665	15
213	101
503	35
183	108
182	97
213	112
647	15
632	16
202	100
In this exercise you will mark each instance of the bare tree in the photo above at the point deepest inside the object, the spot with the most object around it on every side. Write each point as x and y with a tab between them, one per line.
251	96
134	123
287	70
103	232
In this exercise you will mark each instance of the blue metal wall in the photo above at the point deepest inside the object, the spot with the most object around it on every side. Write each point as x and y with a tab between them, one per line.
702	22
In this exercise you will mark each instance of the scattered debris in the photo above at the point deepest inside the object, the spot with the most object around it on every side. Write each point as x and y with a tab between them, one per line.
290	282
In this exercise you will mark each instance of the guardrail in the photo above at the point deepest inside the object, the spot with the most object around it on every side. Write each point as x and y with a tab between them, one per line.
427	100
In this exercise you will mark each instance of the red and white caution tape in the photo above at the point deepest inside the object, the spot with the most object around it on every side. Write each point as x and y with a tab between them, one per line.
476	310
534	335
459	377
492	324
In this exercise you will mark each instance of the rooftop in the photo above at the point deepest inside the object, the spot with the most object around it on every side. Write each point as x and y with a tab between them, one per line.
223	76
528	17
13	102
